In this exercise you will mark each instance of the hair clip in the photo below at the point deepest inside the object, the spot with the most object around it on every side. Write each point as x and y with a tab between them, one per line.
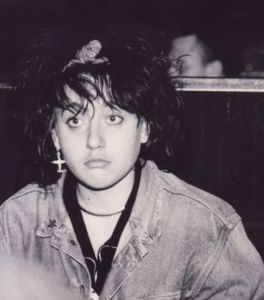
88	53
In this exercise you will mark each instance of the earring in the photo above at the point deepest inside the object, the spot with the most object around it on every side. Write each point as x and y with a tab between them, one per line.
59	162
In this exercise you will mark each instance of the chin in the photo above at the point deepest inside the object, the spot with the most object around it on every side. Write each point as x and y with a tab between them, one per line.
101	180
99	183
98	186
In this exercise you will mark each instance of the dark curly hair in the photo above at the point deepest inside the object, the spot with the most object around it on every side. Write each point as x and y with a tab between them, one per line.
137	79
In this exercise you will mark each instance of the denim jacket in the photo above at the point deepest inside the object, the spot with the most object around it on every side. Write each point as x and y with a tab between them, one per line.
179	243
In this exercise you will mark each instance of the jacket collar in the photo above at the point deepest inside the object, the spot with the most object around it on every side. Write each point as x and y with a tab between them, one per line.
144	218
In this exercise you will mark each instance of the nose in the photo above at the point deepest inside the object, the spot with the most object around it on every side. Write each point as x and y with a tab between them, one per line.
95	137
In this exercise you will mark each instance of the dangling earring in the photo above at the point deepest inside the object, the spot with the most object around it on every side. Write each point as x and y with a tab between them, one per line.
59	162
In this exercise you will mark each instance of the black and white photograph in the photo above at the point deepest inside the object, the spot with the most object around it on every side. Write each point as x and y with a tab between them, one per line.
132	149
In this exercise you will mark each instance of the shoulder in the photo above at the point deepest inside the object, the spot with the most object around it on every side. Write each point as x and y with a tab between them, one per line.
30	210
18	213
30	191
192	200
27	200
209	237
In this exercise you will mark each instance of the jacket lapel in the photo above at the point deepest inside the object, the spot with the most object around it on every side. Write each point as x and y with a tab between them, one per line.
126	262
140	234
65	240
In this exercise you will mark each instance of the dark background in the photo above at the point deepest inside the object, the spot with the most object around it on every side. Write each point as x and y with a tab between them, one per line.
221	144
227	26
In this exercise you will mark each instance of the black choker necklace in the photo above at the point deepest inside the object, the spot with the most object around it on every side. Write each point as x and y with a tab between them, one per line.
98	214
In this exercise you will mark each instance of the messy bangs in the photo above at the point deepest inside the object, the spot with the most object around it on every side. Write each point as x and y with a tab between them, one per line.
100	81
89	88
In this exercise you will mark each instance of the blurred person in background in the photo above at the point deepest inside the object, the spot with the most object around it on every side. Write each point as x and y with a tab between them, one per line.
252	60
191	57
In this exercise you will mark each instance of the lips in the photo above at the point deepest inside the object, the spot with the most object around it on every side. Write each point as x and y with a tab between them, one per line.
97	163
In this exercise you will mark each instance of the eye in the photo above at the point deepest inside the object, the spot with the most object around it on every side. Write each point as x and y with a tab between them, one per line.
114	119
75	122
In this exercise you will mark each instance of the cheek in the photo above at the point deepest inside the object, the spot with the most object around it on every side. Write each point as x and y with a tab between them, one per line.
70	143
128	145
70	153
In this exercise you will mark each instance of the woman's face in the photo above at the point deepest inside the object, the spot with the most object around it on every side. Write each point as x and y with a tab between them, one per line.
100	145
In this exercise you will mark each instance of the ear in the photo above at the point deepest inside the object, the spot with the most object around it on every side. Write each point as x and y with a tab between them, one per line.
144	131
55	139
214	69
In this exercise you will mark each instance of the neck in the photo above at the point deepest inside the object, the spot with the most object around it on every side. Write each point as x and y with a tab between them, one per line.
109	200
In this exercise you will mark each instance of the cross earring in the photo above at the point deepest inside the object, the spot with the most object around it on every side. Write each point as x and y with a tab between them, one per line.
59	162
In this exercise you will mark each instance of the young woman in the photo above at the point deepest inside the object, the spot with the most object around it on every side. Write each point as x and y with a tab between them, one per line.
100	111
